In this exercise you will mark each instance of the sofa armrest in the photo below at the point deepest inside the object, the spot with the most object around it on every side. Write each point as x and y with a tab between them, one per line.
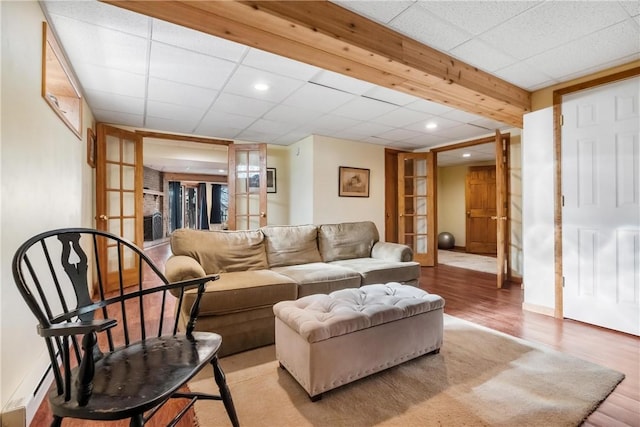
392	252
182	267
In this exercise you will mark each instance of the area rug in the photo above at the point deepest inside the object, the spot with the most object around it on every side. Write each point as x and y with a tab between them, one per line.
481	377
475	262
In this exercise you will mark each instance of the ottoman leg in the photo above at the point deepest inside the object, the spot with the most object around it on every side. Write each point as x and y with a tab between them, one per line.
316	397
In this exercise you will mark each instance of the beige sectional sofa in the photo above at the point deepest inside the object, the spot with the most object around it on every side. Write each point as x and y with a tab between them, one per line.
259	268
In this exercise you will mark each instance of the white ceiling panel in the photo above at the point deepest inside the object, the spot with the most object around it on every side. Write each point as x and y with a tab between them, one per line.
460	116
428	107
271	127
368	129
331	122
169	125
482	55
196	41
242	106
342	82
459	132
97	15
118	118
364	109
318	98
180	93
179	65
477	17
287	114
110	80
403	117
114	102
181	113
262	60
526	74
389	95
400	134
419	24
221	118
245	78
382	11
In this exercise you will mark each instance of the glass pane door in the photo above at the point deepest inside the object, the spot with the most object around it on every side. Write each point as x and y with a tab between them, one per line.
416	206
247	186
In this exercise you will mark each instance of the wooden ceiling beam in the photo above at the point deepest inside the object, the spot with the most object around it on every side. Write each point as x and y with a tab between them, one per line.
328	36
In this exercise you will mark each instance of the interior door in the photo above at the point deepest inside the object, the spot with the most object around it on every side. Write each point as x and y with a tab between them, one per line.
119	182
391	195
601	206
480	200
501	218
247	183
416	205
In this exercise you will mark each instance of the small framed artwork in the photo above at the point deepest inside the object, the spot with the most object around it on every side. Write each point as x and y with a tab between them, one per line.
271	180
353	182
91	148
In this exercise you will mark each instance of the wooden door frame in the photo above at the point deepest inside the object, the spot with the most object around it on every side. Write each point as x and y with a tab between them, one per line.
391	194
487	140
557	142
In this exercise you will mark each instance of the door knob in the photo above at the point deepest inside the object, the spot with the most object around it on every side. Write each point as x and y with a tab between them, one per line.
262	214
502	218
103	217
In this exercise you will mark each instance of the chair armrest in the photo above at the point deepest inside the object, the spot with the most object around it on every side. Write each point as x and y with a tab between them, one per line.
392	252
77	328
179	268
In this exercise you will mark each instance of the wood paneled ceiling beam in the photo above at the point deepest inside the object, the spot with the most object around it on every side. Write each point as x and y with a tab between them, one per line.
328	36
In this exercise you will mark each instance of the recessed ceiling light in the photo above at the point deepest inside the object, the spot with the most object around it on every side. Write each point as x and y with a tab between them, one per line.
261	87
431	125
466	155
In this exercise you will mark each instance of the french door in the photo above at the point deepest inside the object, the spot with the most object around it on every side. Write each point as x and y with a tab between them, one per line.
501	217
119	182
416	206
247	186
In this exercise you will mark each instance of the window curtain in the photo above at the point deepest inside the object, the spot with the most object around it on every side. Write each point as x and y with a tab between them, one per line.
216	211
203	218
175	205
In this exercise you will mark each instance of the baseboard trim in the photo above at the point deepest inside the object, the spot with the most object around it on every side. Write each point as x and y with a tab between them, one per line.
547	311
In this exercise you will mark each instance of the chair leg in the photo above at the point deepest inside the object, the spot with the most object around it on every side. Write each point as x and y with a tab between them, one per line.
57	421
137	421
225	393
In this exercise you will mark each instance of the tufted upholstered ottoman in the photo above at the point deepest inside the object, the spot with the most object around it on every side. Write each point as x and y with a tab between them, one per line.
325	341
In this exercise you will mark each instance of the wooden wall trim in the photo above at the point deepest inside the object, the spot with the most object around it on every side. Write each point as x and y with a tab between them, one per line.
326	35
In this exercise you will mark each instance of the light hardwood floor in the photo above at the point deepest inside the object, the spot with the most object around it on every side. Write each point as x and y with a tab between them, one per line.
472	296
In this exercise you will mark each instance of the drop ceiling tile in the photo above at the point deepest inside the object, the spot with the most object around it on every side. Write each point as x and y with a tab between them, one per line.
442	122
115	117
461	132
632	7
242	106
428	107
603	46
546	26
460	116
477	16
600	67
426	141
367	129
330	122
381	11
363	109
417	23
400	134
378	140
180	65
181	113
216	118
342	82
271	127
111	80
262	60
244	78
169	125
488	124
389	95
180	93
108	101
318	98
255	136
217	130
102	15
287	114
402	117
483	56
523	75
197	41
104	47
290	138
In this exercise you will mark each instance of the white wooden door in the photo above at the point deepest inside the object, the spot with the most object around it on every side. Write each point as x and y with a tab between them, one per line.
601	211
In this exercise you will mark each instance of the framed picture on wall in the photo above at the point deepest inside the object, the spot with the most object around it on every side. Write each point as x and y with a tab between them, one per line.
271	180
91	148
353	182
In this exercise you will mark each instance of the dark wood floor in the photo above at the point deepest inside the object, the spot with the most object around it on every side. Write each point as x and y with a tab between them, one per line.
472	296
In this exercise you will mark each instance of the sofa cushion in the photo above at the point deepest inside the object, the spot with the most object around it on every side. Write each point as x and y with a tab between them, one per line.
380	271
222	251
291	245
320	278
347	240
244	290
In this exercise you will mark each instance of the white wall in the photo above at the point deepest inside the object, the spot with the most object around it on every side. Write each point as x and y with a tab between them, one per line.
301	182
278	202
538	173
515	199
46	183
328	207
